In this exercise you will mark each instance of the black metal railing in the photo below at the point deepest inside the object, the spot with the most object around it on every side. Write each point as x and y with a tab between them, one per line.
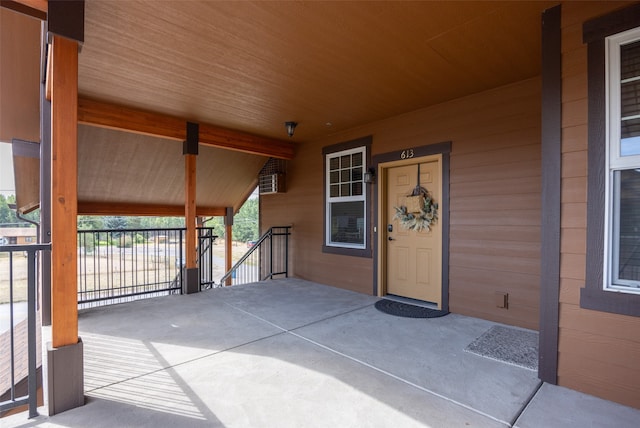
208	262
116	266
267	258
19	272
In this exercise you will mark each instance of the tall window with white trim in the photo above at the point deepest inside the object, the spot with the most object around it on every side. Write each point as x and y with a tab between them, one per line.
622	264
345	199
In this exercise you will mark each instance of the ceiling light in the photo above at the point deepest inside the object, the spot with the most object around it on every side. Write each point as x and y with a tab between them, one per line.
290	126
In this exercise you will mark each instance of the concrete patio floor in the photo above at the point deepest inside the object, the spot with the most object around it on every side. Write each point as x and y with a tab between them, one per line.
291	353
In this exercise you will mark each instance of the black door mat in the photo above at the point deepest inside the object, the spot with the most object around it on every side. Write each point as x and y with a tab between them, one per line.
510	345
408	311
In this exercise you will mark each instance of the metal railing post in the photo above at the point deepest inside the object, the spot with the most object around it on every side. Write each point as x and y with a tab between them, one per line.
31	336
271	253
180	272
286	253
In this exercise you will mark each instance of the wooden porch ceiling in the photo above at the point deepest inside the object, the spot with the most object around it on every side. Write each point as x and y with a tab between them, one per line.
251	66
126	173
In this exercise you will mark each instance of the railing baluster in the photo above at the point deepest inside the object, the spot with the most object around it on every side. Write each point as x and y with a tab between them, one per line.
30	398
32	272
11	327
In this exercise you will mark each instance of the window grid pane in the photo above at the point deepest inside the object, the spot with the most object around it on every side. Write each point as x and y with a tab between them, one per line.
630	60
345	161
357	159
346	171
630	99
334	164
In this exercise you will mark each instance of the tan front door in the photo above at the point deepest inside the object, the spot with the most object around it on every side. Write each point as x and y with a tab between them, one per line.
414	258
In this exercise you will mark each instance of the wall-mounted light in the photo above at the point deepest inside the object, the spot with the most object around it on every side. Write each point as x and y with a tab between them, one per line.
291	127
370	175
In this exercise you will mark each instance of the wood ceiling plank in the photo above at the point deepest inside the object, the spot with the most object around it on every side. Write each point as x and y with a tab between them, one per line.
108	115
117	167
251	66
226	178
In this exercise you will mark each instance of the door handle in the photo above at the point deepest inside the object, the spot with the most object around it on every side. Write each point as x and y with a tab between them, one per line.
390	238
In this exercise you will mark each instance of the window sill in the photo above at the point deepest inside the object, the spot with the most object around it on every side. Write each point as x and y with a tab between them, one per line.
345	251
608	301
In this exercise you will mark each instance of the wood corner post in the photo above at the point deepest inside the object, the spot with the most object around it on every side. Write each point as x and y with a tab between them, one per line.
191	279
228	242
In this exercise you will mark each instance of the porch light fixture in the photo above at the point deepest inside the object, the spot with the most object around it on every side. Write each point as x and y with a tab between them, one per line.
291	127
370	175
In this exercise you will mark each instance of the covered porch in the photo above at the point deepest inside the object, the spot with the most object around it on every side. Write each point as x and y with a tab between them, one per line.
295	353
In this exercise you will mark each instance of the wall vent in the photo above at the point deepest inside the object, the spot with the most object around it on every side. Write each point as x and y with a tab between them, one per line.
271	178
271	183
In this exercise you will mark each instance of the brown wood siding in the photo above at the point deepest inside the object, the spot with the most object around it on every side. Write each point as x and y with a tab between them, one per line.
495	199
598	351
301	207
495	212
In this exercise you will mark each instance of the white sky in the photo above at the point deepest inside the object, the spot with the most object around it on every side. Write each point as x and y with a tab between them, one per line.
7	186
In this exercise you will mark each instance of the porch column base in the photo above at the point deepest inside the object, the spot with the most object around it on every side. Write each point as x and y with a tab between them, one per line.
191	280
65	374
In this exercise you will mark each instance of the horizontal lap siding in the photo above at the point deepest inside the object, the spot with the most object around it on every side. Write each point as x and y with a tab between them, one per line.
302	207
495	215
598	351
495	200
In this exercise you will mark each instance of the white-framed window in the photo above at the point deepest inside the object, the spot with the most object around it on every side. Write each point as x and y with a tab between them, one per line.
622	218
346	217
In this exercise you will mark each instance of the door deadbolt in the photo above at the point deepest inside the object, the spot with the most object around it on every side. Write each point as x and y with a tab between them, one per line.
389	228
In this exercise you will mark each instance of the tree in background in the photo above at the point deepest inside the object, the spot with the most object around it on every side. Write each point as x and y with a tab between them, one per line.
90	222
8	216
115	222
245	222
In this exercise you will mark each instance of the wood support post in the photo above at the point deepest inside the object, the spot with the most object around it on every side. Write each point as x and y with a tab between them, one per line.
190	209
64	191
228	242
191	278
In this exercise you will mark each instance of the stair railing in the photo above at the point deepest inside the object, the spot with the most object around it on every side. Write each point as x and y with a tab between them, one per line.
266	258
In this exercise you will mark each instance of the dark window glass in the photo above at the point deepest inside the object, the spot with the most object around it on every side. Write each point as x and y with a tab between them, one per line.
628	219
347	222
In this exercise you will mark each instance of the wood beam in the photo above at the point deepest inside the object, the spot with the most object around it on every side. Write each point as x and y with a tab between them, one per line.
133	209
64	192
34	8
215	136
113	116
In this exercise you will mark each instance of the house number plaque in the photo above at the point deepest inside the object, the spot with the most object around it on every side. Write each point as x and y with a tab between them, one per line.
406	154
